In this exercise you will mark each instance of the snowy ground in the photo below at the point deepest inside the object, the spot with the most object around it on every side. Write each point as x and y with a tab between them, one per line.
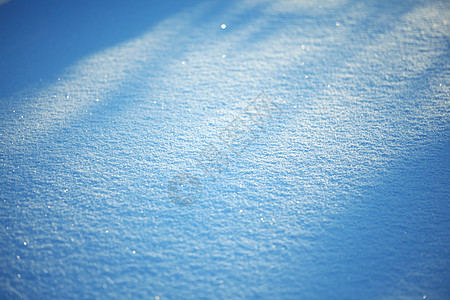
117	178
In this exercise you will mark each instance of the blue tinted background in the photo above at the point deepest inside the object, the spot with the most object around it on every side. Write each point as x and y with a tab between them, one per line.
344	195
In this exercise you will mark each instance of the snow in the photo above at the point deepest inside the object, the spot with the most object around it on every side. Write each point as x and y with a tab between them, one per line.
339	191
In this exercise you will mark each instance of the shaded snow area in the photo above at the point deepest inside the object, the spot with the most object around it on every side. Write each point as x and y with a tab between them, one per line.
225	150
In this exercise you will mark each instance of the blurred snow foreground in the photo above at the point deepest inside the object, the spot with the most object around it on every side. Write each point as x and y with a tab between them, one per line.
326	126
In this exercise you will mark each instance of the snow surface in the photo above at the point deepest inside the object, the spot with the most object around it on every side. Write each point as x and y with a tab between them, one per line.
342	194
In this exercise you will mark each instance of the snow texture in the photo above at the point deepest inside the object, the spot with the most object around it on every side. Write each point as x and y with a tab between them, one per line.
342	193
